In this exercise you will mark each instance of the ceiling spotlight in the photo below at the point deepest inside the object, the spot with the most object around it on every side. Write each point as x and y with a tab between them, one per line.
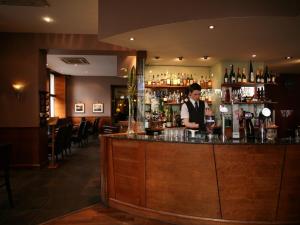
48	19
180	58
205	57
131	39
253	56
156	57
288	57
211	27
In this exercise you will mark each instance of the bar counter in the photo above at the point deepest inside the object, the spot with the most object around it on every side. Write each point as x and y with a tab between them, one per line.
193	181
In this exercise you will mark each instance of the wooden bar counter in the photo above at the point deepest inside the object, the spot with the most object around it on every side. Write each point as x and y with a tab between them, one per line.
184	181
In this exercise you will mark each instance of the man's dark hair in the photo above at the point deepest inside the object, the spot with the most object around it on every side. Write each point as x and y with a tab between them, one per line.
194	87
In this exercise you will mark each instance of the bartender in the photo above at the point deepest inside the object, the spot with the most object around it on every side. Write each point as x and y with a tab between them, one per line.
193	111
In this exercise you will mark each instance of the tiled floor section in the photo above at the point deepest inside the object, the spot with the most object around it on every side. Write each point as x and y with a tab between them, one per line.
42	194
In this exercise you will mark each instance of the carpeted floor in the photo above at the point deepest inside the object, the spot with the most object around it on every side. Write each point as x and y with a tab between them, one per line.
42	194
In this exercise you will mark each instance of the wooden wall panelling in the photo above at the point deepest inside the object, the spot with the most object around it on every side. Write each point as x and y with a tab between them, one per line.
249	179
104	170
111	172
129	171
60	96
181	179
28	150
289	202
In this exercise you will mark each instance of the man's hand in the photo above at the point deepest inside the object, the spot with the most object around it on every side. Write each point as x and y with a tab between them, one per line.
190	125
208	112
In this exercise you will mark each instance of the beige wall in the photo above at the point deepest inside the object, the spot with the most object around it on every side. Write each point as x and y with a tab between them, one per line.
89	90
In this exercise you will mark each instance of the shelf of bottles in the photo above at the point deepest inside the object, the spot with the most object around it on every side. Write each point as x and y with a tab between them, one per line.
243	92
44	98
240	89
164	95
179	80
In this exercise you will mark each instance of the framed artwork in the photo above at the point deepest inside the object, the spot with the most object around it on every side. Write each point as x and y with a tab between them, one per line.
79	107
98	108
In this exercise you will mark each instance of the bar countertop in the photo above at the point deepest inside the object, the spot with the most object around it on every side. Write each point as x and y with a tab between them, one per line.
199	140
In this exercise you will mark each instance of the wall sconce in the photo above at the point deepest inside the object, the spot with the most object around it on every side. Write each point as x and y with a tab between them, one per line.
18	88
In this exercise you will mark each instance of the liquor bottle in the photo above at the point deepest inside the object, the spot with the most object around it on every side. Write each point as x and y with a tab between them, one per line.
257	76
251	73
226	78
153	83
161	79
157	81
169	114
178	79
168	82
191	80
232	75
267	75
146	123
262	94
244	78
201	82
149	82
181	80
239	76
165	79
205	82
184	80
273	78
209	83
262	78
258	94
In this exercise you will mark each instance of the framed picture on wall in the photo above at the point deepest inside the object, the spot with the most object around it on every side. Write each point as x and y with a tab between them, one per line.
98	108
79	107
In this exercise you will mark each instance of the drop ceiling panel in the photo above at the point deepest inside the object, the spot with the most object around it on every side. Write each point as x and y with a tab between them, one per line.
99	65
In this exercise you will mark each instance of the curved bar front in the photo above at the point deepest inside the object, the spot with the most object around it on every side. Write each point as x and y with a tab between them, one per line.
204	183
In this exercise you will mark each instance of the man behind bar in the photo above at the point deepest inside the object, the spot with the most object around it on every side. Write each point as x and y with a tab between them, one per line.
193	111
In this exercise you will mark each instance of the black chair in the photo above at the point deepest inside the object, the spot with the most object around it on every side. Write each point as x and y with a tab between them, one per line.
85	132
68	137
77	138
59	143
5	151
94	130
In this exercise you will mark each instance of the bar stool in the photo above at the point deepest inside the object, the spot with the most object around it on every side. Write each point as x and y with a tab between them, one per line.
5	151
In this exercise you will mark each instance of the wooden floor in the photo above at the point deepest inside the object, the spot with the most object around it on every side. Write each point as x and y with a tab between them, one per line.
99	215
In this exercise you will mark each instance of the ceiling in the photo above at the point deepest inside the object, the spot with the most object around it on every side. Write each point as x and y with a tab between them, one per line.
232	39
70	16
172	28
99	65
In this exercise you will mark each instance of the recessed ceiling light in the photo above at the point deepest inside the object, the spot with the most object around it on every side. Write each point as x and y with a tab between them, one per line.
180	58
48	19
75	65
206	57
131	39
156	57
253	56
211	27
288	57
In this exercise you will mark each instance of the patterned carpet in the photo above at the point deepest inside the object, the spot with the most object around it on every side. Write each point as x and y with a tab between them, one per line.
42	194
